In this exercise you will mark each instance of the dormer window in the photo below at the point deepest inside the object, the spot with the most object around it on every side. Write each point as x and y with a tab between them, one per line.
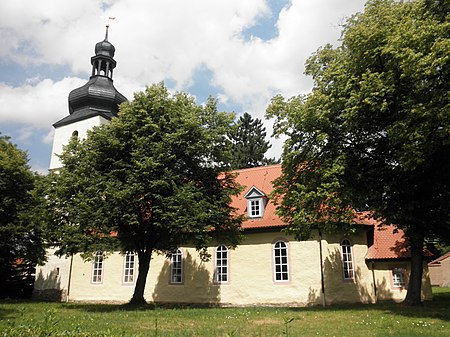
255	208
255	203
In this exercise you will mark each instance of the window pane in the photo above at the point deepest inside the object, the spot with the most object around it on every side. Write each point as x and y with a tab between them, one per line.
221	261
255	208
281	261
176	267
398	277
347	259
128	273
97	268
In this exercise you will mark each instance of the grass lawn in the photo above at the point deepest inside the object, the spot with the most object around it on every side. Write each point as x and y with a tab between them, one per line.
28	318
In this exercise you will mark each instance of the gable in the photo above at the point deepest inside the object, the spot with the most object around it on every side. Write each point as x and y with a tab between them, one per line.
253	193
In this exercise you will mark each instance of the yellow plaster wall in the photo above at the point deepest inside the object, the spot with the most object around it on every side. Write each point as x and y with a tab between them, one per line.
440	273
385	288
251	279
338	289
111	288
52	278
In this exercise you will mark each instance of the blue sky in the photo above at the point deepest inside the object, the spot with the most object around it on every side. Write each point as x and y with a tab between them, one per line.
242	52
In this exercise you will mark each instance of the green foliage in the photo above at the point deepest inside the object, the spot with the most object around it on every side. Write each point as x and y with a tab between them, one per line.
153	178
374	133
75	319
21	221
437	248
248	144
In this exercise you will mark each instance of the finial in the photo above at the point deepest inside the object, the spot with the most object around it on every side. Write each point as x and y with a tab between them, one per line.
106	34
108	19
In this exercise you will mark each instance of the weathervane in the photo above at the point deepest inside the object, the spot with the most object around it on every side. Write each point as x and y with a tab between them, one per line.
108	20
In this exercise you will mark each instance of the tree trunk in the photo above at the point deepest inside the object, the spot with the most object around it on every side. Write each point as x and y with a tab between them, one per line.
144	266
413	296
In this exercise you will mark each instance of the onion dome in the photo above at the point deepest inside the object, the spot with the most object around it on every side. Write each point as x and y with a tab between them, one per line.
98	97
105	48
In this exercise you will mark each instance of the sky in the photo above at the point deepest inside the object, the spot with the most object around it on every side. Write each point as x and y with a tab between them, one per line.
241	52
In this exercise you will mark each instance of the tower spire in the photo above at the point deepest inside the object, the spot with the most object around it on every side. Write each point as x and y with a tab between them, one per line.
108	19
106	34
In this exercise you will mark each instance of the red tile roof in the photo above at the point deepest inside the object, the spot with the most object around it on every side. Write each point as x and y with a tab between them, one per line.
439	259
388	243
262	178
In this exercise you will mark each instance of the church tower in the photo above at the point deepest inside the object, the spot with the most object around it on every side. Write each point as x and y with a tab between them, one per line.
92	104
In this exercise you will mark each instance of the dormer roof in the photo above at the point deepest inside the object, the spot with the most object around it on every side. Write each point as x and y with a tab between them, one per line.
254	192
257	183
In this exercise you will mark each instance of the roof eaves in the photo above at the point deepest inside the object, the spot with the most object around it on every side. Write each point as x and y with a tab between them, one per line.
440	258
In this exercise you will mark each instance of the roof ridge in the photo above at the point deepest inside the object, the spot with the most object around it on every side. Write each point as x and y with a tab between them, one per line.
257	168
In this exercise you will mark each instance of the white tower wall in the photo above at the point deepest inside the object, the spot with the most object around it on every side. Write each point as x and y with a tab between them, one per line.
63	134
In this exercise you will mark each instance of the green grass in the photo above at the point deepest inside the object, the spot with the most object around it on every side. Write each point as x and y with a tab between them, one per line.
28	318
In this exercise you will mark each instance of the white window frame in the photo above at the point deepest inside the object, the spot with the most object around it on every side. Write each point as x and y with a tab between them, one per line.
255	207
255	202
176	267
280	261
129	264
399	277
348	266
97	268
221	274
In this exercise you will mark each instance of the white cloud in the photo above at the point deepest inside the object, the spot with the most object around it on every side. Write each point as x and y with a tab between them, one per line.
39	105
48	138
25	133
163	39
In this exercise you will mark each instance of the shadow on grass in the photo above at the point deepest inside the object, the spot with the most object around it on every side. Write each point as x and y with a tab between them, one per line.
438	308
8	313
94	307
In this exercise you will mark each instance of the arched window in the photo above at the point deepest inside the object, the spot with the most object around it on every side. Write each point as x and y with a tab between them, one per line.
347	260
221	270
97	268
280	261
176	267
128	267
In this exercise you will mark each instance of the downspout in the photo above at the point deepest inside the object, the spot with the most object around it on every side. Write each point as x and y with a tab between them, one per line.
321	270
372	263
70	278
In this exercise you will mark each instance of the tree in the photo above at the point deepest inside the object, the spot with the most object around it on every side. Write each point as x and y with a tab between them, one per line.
248	143
21	246
374	133
150	180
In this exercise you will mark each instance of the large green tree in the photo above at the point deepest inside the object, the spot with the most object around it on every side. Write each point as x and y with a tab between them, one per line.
248	143
147	182
374	133
21	246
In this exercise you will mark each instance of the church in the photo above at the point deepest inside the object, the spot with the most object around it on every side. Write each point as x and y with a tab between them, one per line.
267	268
